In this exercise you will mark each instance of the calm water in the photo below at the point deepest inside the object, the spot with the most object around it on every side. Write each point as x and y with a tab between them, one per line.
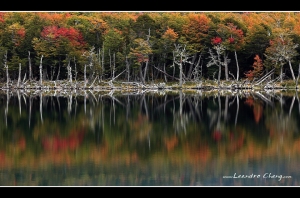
149	139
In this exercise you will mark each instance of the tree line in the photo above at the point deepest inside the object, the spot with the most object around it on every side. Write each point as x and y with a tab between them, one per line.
148	47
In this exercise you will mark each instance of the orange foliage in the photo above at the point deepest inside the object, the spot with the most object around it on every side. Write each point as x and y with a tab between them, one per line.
257	68
258	112
249	101
196	28
198	154
171	143
54	18
170	35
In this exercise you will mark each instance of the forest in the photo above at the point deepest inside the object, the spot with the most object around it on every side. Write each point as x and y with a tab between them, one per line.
90	49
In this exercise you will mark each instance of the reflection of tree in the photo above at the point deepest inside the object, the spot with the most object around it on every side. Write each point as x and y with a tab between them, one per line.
134	121
218	118
180	118
140	128
257	107
280	123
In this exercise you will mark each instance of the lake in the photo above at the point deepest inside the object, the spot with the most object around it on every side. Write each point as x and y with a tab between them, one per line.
149	138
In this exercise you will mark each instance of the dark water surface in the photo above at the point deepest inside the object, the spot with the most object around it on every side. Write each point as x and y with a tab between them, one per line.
150	139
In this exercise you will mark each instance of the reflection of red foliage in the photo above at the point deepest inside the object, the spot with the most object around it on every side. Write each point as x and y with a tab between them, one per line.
57	143
249	101
2	157
257	108
217	135
22	143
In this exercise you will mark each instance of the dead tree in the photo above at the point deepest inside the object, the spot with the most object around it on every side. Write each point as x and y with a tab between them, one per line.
19	78
127	68
237	66
41	71
75	68
6	68
181	57
29	65
69	68
297	80
85	76
215	59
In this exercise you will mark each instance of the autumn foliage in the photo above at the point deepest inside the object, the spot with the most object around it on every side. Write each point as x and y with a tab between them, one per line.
216	40
257	69
55	32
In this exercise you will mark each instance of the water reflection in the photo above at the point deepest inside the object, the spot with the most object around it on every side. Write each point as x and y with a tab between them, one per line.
156	138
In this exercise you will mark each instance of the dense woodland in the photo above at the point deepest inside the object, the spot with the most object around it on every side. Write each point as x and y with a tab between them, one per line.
149	47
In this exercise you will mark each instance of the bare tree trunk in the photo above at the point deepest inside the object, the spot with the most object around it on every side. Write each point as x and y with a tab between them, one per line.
220	69
102	65
114	66
237	66
84	76
292	72
19	78
281	73
99	61
6	68
180	74
30	69
69	71
196	71
127	68
298	76
41	70
110	62
146	69
191	66
75	69
173	65
164	68
58	72
226	66
141	73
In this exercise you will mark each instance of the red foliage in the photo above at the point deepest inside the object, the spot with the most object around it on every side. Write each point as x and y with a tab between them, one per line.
231	40
217	40
257	68
1	17
54	32
21	32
